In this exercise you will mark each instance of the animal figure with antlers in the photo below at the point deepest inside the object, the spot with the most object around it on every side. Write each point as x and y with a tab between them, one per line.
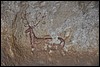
34	38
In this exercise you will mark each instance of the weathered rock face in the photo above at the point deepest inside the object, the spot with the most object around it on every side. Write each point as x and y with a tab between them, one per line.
46	26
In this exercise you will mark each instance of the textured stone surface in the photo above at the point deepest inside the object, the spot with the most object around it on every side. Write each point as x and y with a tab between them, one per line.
76	22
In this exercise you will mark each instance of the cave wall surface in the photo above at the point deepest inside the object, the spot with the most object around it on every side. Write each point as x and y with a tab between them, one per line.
25	22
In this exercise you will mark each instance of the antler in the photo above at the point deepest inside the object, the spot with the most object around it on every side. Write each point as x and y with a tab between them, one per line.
32	21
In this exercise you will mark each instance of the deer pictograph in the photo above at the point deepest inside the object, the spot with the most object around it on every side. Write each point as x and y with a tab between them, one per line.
34	38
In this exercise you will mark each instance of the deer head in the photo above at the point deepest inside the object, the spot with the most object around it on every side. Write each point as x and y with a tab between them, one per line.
30	27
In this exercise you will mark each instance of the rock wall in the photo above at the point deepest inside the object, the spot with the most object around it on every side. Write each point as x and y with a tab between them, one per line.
76	22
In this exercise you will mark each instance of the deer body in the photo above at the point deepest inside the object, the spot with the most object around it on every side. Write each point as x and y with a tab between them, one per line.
34	39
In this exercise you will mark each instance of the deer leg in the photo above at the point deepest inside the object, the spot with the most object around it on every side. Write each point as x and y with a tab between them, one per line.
31	40
62	41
